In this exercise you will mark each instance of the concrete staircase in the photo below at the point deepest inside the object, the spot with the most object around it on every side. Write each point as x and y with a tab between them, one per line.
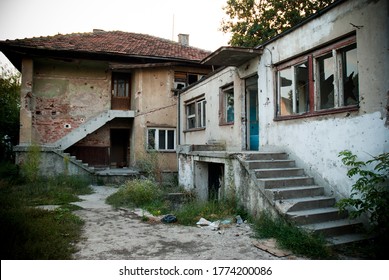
297	197
82	166
90	126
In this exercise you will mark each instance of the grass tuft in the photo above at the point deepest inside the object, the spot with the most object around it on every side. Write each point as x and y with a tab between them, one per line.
32	233
291	237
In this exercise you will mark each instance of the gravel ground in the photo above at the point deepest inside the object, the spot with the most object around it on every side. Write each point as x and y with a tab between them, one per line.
121	234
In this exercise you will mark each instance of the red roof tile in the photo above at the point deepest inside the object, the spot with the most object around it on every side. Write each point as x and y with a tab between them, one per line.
113	42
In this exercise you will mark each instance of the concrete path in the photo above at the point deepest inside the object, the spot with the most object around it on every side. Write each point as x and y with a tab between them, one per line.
111	234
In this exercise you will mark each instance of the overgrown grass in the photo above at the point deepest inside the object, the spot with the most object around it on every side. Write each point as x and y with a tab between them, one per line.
31	233
148	195
291	237
191	212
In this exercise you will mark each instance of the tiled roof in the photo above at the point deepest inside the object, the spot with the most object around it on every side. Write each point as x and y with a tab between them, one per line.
112	43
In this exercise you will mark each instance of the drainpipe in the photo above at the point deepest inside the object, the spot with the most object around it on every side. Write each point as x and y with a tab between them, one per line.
179	119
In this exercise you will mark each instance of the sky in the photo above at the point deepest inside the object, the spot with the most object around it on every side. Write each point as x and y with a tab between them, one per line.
201	19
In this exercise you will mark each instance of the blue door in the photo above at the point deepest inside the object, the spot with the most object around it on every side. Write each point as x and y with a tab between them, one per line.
252	113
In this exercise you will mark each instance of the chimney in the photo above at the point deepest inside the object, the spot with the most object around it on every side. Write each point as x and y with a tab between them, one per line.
98	30
183	39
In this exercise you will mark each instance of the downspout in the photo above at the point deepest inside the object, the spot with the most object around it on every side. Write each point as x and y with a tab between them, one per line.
179	118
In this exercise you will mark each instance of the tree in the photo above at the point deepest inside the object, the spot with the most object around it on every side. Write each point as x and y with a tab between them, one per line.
9	110
253	22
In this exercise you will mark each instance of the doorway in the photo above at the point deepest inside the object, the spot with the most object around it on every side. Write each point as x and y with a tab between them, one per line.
252	113
215	179
119	147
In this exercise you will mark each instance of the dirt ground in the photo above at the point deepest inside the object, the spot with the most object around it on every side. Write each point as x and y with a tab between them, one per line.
121	234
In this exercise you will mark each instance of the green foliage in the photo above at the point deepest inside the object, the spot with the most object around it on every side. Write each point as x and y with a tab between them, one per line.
370	193
9	111
30	167
149	163
253	22
291	237
213	210
136	193
31	233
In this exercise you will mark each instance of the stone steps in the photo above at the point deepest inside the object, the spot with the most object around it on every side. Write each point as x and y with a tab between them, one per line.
297	197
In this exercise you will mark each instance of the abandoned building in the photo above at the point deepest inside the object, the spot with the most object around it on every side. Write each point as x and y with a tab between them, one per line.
264	124
101	99
268	125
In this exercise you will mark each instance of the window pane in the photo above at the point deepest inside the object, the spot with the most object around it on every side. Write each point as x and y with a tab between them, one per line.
285	88
191	115
121	88
302	88
151	139
229	101
162	139
204	115
191	109
326	81
191	123
170	139
350	76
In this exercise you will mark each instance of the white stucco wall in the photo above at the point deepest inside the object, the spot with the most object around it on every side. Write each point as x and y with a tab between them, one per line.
316	141
215	133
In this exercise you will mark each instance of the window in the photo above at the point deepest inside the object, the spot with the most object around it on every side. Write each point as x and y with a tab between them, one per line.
321	81
196	114
226	110
161	139
120	85
183	79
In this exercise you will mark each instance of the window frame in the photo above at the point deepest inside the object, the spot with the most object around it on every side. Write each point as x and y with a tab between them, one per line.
156	141
199	116
126	77
336	49
223	107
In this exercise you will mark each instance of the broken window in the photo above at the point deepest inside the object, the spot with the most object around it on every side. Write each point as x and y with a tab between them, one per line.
161	139
325	79
227	108
183	79
196	113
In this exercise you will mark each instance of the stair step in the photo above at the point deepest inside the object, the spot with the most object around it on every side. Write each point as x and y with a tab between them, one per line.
346	238
259	164
286	182
316	215
279	172
266	156
305	203
295	192
333	228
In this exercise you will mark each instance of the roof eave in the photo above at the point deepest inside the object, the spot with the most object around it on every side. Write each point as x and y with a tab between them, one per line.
231	56
14	53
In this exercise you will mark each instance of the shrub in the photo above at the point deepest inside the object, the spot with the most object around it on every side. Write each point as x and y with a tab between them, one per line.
136	193
30	167
370	193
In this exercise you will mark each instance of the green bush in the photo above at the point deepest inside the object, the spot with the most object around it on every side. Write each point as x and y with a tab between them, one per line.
136	193
370	193
30	167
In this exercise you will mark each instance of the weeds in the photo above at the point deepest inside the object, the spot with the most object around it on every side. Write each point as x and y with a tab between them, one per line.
290	237
191	212
136	193
31	233
30	168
